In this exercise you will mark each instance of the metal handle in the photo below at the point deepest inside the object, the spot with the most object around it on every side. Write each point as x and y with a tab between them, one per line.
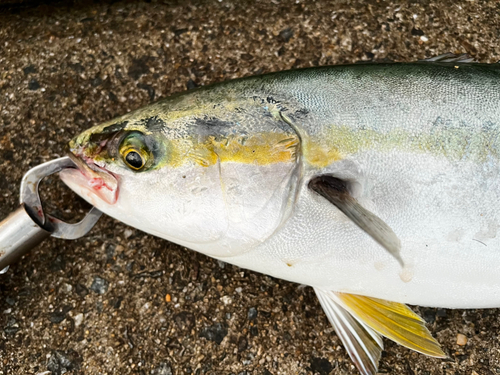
19	233
26	227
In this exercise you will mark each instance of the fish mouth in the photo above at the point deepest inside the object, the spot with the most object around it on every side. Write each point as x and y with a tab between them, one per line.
90	180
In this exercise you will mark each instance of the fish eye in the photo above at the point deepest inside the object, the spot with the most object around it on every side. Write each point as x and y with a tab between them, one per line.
135	153
134	159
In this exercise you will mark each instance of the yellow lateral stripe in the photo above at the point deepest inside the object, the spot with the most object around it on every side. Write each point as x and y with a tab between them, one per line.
257	149
393	320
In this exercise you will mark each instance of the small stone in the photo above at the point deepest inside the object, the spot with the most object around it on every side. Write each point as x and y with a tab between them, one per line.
429	314
78	319
59	315
162	369
62	362
110	251
252	313
215	333
416	32
29	69
321	366
128	232
99	285
33	85
286	34
441	313
242	344
67	288
12	327
191	84
81	290
226	300
461	339
254	331
247	57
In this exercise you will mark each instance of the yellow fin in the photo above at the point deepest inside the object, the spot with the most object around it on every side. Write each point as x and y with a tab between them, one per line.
393	320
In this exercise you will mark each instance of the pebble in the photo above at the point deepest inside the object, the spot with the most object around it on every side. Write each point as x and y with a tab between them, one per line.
461	339
99	285
128	232
67	287
78	319
61	362
215	333
162	369
226	300
321	366
252	313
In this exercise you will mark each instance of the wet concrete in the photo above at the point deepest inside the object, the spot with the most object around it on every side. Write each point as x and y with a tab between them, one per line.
122	302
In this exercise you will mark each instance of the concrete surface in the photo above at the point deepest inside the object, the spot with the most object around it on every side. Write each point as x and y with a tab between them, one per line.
121	302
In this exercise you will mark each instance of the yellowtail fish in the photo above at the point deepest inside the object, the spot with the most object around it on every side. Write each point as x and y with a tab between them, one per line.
375	184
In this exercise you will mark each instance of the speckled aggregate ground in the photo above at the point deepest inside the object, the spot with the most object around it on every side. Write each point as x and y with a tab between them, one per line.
122	302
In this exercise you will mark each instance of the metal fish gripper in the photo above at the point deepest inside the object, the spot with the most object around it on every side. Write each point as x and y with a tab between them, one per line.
28	225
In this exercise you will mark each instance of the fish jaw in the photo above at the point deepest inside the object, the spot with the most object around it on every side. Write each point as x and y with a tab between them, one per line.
90	181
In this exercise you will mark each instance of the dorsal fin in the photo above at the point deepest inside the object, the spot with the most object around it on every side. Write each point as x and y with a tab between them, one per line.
450	58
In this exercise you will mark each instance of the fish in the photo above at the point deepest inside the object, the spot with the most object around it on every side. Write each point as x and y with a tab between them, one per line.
378	185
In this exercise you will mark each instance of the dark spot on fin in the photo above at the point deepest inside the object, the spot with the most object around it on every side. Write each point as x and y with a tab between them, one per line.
450	58
107	132
336	192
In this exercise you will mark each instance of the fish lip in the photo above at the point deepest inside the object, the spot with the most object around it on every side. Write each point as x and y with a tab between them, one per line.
97	177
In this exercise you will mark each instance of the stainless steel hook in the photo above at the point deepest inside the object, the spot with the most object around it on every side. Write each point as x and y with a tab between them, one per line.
26	227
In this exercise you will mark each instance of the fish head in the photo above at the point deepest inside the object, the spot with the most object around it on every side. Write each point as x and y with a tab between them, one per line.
211	182
108	155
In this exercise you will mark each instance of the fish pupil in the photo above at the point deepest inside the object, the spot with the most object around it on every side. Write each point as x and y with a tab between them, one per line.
134	160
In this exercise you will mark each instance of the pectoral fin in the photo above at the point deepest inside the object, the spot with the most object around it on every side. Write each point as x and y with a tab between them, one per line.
336	192
361	321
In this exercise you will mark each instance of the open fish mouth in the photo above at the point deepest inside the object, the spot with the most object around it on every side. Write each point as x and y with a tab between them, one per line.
90	180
